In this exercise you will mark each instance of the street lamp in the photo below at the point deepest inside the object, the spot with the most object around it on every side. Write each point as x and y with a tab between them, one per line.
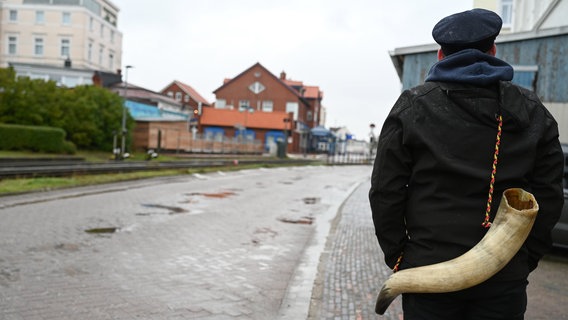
123	142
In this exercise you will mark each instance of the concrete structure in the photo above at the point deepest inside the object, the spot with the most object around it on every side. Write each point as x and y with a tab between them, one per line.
79	34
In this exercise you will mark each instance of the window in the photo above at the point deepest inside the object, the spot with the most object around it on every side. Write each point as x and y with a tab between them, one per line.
220	104
267	106
243	104
309	116
102	30
178	96
186	98
40	17
90	52
507	13
12	45
526	76
257	87
111	36
38	46
101	52
13	15
91	24
66	18
170	94
70	82
65	48
292	107
111	60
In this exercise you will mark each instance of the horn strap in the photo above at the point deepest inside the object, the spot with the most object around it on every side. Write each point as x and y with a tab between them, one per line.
486	223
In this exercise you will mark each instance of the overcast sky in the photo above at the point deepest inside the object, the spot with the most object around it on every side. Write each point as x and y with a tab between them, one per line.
341	46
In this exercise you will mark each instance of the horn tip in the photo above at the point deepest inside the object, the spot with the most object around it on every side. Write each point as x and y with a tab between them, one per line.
384	300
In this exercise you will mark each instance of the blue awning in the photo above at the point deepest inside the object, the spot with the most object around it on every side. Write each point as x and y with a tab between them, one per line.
213	130
141	111
320	131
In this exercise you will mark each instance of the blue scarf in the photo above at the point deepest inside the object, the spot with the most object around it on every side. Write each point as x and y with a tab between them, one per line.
471	66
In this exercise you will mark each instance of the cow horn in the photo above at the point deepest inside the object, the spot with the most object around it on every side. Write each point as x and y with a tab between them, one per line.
509	230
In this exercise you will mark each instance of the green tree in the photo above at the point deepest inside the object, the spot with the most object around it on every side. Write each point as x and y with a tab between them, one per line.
89	115
92	116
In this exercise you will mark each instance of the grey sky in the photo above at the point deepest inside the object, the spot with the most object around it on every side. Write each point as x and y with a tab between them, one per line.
340	46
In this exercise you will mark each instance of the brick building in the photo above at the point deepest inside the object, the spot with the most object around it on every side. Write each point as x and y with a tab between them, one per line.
256	104
188	97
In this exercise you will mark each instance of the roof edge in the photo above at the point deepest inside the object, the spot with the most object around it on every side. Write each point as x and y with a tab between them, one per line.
503	38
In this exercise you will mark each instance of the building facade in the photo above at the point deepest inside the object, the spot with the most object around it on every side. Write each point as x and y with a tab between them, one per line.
80	34
260	105
188	97
527	15
539	56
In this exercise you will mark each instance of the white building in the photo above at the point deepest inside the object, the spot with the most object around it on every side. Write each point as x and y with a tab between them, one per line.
78	34
527	15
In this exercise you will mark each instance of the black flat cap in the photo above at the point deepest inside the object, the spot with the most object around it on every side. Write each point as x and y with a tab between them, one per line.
475	28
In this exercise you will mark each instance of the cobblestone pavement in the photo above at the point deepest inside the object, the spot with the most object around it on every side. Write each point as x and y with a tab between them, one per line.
352	271
352	268
224	245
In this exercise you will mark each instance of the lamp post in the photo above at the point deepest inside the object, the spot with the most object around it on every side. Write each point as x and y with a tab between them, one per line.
123	142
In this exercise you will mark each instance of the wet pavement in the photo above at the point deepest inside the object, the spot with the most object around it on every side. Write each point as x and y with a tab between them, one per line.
352	268
224	245
283	243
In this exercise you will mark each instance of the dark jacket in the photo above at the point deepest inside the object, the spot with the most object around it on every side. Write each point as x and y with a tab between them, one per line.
431	176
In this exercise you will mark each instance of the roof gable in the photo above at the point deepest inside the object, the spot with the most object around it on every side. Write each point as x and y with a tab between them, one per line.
189	91
228	82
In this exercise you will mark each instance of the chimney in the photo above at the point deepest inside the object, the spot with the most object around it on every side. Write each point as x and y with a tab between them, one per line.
282	75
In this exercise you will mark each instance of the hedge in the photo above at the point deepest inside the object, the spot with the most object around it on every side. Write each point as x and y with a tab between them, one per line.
34	138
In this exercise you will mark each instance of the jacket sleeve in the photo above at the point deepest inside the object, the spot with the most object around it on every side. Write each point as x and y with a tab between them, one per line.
547	188
389	183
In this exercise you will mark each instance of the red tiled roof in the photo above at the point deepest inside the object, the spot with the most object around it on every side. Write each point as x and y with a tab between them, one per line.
312	92
232	118
190	91
293	83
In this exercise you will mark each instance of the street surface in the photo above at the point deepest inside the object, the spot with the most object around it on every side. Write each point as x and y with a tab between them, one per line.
284	243
218	246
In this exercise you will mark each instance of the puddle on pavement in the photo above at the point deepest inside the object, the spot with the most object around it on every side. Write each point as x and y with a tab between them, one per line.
312	200
222	194
172	209
266	230
302	220
71	247
102	230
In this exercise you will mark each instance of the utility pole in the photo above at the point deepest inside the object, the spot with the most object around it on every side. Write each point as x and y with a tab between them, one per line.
123	132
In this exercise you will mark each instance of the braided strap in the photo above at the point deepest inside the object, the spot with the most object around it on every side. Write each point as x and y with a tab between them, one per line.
486	223
398	261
